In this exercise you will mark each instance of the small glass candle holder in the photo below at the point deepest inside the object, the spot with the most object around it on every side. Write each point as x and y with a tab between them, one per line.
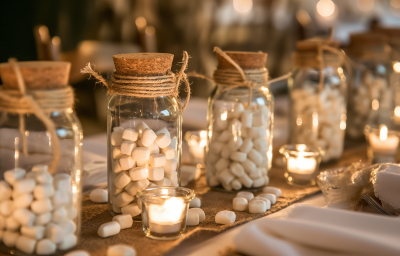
197	141
302	163
382	144
164	211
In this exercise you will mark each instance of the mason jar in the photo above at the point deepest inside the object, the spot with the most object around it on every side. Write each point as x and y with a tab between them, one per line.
144	133
239	125
50	193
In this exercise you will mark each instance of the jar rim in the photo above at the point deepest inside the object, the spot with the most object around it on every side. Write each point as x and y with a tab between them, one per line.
159	194
306	150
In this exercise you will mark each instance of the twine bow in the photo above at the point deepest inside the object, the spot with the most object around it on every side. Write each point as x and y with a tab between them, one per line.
146	86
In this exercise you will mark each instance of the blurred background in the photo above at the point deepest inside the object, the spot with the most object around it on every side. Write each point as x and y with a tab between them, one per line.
82	31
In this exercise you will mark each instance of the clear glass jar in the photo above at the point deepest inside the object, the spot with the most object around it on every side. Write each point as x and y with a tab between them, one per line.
125	113
318	114
231	131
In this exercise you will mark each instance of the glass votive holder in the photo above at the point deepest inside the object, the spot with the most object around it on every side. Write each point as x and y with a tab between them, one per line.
164	211
197	141
382	144
301	163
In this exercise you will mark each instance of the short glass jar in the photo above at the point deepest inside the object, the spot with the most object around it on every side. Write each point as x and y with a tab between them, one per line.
144	134
383	144
164	211
239	142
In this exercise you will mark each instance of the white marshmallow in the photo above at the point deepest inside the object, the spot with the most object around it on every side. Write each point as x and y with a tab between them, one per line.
136	186
256	174
174	143
257	132
155	173
132	209
62	181
225	136
236	184
216	147
237	110
127	162
2	223
41	206
122	179
68	226
13	175
99	195
121	250
170	166
140	154
236	169
43	177
12	224
246	181
116	153
122	199
154	149
148	137
213	181
118	129
40	167
258	182
42	219
225	176
249	166
246	146
31	175
260	145
200	212
60	198
266	201
116	209
68	242
144	163
157	160
78	253
165	131
23	201
46	247
192	219
258	120
130	135
116	138
264	171
54	233
246	118
71	212
24	217
270	197
164	182
43	191
5	191
138	173
109	229
222	164
124	220
140	128
10	238
235	143
195	203
225	217
58	215
254	156
257	206
127	147
238	156
226	186
245	194
240	204
23	186
272	190
226	152
163	140
25	244
6	208
169	152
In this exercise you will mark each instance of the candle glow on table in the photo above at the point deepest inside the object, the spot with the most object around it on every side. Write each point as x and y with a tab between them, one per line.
385	143
301	165
196	145
167	218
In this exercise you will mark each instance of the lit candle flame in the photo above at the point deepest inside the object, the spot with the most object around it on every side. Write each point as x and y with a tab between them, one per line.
383	132
224	116
170	212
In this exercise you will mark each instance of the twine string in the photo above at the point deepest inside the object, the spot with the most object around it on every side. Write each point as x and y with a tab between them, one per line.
39	103
146	86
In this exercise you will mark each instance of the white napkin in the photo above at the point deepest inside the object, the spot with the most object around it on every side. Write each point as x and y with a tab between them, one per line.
387	185
314	231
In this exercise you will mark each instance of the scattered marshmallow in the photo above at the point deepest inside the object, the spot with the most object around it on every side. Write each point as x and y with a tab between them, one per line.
270	197
99	195
195	203
109	229
266	201
225	217
200	212
240	204
245	194
272	190
131	209
121	250
192	219
124	220
257	206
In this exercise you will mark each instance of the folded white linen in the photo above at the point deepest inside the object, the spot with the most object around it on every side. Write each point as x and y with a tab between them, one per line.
321	232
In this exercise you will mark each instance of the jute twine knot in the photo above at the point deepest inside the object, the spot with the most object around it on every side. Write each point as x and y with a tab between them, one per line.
234	78
145	86
37	102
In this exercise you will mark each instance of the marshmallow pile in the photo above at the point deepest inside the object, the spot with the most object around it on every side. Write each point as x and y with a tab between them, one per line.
259	204
36	211
141	158
113	250
319	119
122	221
237	155
195	214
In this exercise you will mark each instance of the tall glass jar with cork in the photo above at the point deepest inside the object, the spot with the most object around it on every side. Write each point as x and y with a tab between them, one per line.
239	123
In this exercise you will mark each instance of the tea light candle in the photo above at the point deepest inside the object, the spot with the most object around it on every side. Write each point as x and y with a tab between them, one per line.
384	144
301	165
166	218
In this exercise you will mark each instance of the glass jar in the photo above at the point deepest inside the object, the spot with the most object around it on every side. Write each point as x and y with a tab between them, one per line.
239	134
318	113
144	141
56	199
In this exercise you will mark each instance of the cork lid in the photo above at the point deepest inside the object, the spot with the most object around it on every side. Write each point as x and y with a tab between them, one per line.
368	39
37	75
143	64
313	43
246	60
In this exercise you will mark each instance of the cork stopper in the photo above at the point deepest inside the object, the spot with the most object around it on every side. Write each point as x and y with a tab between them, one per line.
246	60
368	39
37	75
143	64
313	43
